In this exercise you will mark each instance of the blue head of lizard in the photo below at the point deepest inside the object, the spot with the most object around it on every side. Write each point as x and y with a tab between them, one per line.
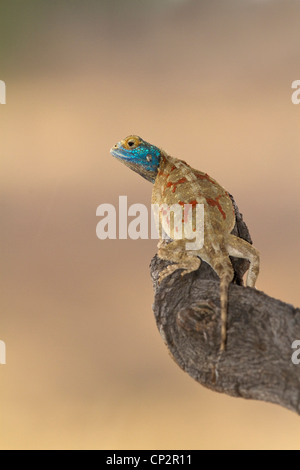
138	155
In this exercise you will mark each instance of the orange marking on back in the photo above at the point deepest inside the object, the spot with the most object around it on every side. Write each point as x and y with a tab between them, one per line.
175	183
186	209
215	202
205	177
194	203
185	163
162	173
182	180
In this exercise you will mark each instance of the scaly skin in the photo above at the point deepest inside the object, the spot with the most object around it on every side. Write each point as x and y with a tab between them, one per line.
175	182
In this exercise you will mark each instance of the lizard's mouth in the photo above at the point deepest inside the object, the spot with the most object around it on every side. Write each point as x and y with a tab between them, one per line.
115	151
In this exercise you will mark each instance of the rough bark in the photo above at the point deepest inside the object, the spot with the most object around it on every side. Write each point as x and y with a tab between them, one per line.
257	362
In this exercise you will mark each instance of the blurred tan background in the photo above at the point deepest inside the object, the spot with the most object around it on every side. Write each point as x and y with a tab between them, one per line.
210	82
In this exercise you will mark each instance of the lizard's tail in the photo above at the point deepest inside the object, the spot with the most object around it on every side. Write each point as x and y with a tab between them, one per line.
225	281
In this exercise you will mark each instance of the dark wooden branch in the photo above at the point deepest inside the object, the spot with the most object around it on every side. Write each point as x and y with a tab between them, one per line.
257	362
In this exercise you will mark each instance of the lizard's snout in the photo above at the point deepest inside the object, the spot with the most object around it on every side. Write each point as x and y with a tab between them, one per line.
114	148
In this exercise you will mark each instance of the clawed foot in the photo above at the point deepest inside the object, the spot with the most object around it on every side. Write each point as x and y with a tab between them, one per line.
167	272
171	269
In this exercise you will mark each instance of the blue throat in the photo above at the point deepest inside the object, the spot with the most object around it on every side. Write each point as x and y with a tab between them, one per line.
139	155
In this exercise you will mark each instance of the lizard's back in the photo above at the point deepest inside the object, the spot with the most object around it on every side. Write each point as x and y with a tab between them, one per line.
178	183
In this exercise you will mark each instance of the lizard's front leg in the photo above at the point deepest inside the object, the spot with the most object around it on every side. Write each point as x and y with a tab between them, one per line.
175	252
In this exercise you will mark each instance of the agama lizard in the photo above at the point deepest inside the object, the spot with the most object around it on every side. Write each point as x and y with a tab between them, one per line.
175	182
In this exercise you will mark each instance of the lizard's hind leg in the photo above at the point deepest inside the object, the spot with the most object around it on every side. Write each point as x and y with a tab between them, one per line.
182	259
241	249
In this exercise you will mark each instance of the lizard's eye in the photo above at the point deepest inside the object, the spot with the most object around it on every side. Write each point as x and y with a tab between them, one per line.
131	142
